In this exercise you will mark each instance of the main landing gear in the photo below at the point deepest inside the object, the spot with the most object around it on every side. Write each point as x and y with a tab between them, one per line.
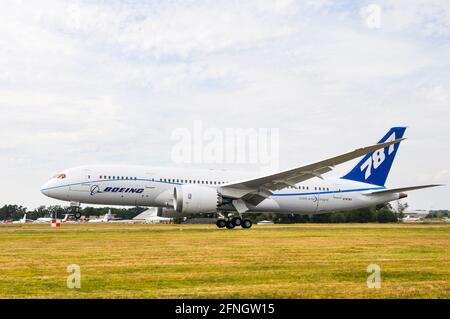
233	222
75	207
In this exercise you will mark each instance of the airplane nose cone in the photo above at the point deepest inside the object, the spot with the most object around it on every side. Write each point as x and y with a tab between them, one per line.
45	189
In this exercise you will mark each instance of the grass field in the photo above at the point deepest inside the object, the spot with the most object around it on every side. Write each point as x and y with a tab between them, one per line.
201	261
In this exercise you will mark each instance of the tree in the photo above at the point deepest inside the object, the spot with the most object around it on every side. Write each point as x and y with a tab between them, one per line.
401	208
338	217
385	215
12	212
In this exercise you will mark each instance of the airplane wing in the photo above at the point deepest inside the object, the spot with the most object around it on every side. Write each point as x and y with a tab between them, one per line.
256	190
400	190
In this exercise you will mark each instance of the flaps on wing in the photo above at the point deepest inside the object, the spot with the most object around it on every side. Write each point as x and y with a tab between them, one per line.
400	190
263	186
255	198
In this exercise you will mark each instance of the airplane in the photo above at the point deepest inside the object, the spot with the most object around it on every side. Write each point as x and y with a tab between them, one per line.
66	220
234	194
43	220
106	218
153	217
23	220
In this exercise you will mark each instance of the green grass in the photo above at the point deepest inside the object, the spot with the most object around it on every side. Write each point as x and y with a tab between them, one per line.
200	261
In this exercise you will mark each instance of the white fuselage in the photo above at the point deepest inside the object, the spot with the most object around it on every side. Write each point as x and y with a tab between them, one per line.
154	187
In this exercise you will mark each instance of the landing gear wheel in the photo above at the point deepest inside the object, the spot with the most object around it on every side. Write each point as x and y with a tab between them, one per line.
229	224
221	223
246	223
237	221
77	215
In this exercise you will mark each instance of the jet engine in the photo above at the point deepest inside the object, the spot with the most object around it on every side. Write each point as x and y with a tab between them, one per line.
189	199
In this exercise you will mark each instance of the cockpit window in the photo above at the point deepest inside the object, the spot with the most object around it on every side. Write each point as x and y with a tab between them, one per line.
60	176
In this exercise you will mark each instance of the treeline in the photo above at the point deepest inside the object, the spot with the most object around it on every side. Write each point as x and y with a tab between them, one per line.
363	215
15	212
438	214
384	214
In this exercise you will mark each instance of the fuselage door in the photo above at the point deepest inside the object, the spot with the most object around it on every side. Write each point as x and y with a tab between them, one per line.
316	202
149	185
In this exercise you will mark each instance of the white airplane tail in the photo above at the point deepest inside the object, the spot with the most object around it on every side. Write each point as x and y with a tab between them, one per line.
107	216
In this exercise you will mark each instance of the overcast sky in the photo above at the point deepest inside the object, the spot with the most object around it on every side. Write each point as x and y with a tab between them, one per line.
108	82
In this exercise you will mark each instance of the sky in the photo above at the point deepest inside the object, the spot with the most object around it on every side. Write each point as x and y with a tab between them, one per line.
88	82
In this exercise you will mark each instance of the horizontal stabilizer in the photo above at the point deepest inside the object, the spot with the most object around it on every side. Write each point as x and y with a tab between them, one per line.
402	189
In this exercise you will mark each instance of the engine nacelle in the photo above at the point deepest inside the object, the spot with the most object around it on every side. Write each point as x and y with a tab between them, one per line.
190	199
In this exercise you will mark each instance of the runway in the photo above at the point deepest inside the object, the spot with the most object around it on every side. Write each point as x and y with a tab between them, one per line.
201	261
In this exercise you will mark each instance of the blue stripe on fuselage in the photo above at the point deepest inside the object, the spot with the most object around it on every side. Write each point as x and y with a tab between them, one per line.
332	192
172	183
109	180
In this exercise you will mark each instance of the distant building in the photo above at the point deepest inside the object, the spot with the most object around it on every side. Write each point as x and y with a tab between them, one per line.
414	216
265	222
419	213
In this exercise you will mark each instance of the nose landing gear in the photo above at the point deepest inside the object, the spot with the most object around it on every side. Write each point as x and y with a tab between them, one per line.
75	207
